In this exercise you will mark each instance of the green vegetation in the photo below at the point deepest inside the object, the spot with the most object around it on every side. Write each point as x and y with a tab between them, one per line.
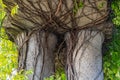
112	57
116	8
77	6
9	54
59	75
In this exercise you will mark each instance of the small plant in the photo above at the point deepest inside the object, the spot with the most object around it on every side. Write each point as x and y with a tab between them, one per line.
59	75
77	6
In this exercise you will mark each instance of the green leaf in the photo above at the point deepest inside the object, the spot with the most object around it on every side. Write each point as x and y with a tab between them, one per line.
14	10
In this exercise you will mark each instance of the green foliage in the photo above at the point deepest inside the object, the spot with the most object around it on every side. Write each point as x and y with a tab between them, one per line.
116	8
2	6
14	10
9	53
8	57
59	75
22	75
77	6
112	58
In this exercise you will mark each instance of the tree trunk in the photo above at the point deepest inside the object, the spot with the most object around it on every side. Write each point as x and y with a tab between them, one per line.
84	62
37	54
33	25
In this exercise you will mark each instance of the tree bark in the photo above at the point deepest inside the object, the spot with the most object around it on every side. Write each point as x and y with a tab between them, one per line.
37	54
84	62
66	17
